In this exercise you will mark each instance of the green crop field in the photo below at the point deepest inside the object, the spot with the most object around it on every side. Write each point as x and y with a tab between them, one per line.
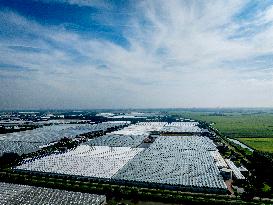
236	123
261	144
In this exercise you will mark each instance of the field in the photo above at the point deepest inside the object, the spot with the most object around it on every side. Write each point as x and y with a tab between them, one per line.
236	124
261	144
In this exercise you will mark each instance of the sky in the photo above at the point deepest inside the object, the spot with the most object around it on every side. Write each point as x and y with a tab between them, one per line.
86	54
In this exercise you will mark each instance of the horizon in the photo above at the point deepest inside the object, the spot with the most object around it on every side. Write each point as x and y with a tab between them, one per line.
89	55
201	109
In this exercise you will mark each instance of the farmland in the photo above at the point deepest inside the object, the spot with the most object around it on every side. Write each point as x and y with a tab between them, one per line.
260	144
235	123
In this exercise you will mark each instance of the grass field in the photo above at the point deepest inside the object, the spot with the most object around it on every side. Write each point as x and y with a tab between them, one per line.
261	144
236	124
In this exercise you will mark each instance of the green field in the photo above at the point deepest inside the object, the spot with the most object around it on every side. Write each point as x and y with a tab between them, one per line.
236	124
261	144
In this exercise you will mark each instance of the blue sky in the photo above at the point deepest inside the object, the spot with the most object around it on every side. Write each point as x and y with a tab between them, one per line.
126	54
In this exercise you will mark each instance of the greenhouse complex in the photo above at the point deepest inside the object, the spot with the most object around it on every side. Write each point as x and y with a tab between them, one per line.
32	140
11	194
140	154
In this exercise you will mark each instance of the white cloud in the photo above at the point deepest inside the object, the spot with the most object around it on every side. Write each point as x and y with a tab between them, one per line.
182	56
90	3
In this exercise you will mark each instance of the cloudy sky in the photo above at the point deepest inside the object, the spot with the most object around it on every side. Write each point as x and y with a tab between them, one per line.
135	54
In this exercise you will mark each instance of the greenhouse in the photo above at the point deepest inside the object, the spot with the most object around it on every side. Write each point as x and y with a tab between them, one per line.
197	143
235	170
117	140
52	133
84	161
43	134
184	162
180	127
30	140
175	161
218	159
11	194
142	128
18	147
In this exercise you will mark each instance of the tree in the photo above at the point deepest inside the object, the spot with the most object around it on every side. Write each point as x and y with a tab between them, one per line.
9	159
